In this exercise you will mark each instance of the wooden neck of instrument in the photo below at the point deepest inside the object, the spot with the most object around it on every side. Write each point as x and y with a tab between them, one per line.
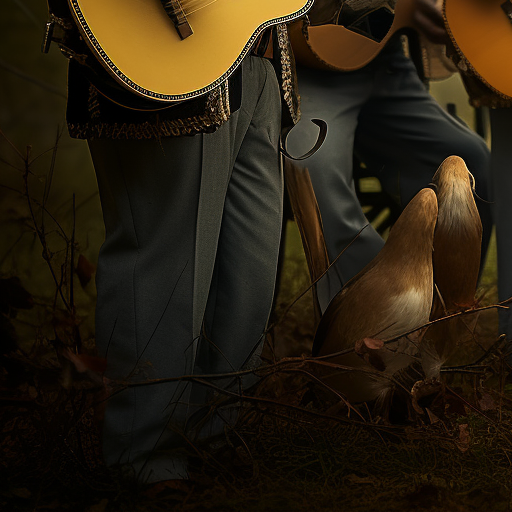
175	11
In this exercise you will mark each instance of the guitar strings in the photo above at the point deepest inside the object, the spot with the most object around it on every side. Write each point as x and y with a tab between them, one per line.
192	6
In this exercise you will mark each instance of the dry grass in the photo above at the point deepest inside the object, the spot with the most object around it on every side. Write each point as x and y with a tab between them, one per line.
289	451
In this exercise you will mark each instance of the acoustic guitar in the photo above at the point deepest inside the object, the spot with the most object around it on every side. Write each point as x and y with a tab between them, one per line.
481	31
333	45
178	49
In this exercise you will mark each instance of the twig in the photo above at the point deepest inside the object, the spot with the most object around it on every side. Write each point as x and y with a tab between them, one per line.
269	401
5	162
30	15
160	319
49	177
287	310
16	150
326	386
41	235
76	332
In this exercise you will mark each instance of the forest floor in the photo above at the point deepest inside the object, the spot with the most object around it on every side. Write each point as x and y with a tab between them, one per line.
293	448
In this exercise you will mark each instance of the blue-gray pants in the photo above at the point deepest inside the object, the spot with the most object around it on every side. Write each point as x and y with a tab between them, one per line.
384	114
192	233
501	174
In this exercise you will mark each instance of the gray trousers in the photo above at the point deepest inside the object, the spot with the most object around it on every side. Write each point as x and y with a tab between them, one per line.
192	234
501	174
384	114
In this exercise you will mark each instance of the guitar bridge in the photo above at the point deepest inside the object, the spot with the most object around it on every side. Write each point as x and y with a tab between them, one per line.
175	12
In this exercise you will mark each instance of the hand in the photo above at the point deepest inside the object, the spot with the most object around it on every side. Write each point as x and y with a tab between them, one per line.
428	18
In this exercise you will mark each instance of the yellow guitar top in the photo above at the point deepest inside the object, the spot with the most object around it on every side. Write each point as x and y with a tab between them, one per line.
142	48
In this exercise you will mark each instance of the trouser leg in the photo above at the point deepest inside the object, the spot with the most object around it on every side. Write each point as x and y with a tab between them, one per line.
501	174
157	261
245	268
337	99
149	192
403	135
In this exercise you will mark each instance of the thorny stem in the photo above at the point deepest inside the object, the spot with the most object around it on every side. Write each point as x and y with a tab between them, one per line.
41	233
15	149
326	386
258	371
285	364
500	305
60	231
12	166
76	333
473	367
300	361
269	401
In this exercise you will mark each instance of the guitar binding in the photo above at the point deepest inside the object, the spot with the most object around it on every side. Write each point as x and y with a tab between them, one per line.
504	100
171	98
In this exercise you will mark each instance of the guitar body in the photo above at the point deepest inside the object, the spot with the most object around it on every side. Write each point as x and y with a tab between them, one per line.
482	33
139	45
333	46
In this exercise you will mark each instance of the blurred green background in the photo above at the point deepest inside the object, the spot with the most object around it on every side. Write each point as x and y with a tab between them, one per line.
32	114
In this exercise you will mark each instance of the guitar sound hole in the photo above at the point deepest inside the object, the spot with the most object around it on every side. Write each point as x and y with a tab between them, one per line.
324	12
374	25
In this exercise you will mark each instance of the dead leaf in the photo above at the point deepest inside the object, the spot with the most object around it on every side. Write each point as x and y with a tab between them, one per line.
99	507
65	326
32	392
355	479
85	363
487	402
370	343
92	367
22	492
84	270
367	348
464	438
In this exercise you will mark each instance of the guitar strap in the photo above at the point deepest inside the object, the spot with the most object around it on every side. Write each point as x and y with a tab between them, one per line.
287	129
319	141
